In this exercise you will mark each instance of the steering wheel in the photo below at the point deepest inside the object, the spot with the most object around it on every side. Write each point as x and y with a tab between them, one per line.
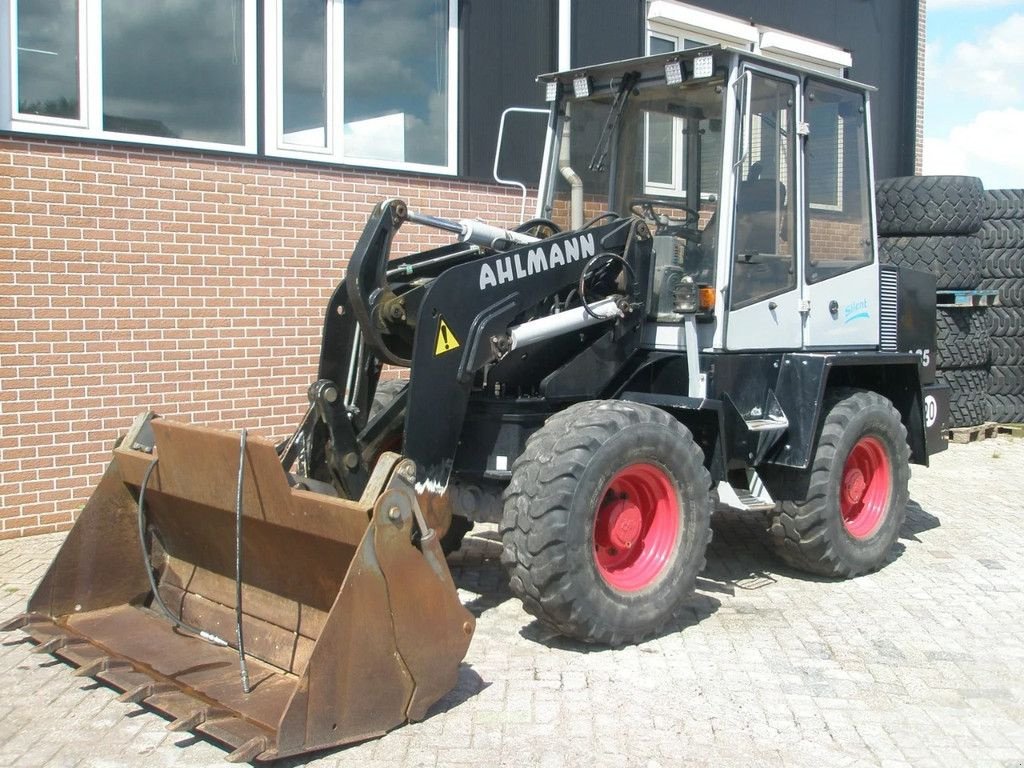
665	224
542	228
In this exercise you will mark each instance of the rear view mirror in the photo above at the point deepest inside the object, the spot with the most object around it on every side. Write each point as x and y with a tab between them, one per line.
521	139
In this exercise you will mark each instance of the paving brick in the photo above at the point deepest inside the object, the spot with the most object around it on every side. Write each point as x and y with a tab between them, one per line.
920	664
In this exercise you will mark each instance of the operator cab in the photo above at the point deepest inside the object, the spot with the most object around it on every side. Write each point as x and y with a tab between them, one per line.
711	147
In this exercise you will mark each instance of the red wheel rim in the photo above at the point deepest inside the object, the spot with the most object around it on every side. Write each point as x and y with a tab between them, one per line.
865	488
636	527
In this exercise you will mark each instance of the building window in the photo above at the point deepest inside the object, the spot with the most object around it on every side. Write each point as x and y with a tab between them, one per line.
175	70
177	73
48	81
363	82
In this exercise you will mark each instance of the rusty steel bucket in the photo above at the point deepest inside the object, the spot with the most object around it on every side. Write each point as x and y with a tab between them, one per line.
350	621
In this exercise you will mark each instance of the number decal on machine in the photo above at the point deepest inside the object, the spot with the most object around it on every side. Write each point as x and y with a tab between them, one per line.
926	356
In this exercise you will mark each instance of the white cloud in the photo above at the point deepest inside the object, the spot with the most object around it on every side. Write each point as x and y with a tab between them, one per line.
987	68
989	146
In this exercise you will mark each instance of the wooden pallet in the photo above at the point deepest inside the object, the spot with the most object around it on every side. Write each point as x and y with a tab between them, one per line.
972	434
1013	430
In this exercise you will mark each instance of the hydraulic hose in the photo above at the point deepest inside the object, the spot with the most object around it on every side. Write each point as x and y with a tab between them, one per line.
242	667
176	620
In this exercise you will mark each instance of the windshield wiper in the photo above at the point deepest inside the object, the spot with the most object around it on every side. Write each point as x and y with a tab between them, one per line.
604	143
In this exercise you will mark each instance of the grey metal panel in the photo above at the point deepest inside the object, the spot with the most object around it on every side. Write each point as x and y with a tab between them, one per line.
505	44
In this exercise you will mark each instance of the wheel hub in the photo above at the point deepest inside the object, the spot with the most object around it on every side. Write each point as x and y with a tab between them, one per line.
636	527
865	488
626	520
854	485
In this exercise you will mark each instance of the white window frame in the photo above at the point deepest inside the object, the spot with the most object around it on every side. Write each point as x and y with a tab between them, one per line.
90	73
334	151
11	31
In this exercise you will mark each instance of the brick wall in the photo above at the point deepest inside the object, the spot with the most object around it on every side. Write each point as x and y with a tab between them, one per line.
190	284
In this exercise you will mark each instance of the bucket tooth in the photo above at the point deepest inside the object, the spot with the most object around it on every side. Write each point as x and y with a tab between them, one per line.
196	718
20	621
54	644
140	693
102	664
249	751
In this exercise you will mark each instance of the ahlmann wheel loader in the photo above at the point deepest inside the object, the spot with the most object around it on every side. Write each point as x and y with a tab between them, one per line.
713	325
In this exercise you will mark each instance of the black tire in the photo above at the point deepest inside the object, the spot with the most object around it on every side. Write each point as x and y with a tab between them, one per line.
1002	262
1003	204
1006	380
961	337
1002	233
557	499
1007	409
1011	289
386	392
968	398
929	205
1006	321
1007	350
813	535
955	260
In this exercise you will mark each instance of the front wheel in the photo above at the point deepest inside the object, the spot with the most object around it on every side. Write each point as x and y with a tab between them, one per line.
857	492
606	521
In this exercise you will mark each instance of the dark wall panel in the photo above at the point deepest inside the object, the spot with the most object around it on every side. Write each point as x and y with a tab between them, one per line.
505	45
881	35
607	30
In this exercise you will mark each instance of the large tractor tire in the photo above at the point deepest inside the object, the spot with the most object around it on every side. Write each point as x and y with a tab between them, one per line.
606	521
955	260
1002	234
968	400
1007	409
1006	380
1006	321
857	494
1003	204
929	205
1003	262
961	337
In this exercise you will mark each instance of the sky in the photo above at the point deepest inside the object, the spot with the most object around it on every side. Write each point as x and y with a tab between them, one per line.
974	90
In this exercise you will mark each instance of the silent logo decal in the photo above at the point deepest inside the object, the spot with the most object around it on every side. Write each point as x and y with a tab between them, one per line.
507	269
857	310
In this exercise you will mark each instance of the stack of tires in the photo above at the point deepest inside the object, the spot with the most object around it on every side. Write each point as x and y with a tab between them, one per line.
1002	270
932	223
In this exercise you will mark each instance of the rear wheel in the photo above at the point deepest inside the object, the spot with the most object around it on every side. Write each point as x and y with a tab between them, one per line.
857	493
606	521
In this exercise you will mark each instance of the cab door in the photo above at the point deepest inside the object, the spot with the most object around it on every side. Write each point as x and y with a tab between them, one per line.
841	271
763	294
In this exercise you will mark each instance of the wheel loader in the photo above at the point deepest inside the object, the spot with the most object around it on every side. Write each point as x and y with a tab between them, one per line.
696	315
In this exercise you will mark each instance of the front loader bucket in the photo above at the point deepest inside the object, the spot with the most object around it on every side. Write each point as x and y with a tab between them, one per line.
351	622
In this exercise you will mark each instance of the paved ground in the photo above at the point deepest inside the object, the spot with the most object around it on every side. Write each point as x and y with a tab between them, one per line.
921	664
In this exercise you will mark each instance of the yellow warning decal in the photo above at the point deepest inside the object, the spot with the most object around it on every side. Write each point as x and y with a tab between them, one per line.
446	340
